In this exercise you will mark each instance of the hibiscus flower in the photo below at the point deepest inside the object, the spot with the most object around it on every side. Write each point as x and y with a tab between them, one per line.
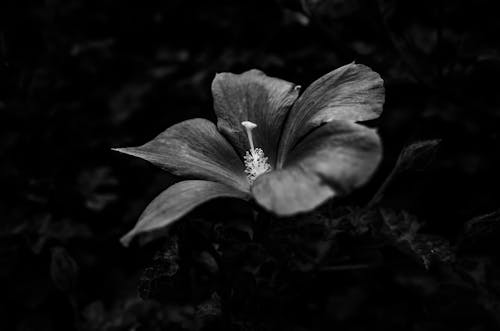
288	153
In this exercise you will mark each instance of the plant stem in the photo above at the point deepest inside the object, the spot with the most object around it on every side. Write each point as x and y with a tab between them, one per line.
380	192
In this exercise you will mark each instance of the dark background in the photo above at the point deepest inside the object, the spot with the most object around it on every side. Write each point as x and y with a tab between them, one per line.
79	77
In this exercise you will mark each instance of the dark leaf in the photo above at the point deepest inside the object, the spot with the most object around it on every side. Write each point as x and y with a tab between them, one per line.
63	269
482	232
403	230
483	225
210	308
165	265
417	155
96	186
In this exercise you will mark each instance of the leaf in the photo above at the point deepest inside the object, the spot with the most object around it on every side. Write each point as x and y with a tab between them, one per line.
98	187
210	308
165	265
63	269
404	226
432	248
403	229
417	155
483	225
482	231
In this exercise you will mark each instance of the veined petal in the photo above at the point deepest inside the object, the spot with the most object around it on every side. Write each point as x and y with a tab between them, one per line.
353	92
286	192
252	96
332	160
177	201
194	149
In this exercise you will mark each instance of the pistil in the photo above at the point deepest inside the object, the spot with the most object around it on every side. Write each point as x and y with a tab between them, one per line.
255	161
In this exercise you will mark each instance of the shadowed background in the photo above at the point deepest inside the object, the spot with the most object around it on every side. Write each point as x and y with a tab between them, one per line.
79	77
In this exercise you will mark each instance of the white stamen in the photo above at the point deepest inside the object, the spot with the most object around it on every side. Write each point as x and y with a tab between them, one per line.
255	161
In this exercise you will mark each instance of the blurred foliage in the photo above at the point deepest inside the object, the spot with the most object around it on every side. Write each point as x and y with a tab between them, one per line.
79	77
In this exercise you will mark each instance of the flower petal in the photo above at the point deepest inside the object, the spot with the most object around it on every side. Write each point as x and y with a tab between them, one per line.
252	96
194	149
177	201
332	160
353	92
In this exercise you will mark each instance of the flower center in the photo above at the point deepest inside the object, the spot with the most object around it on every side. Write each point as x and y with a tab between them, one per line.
255	161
